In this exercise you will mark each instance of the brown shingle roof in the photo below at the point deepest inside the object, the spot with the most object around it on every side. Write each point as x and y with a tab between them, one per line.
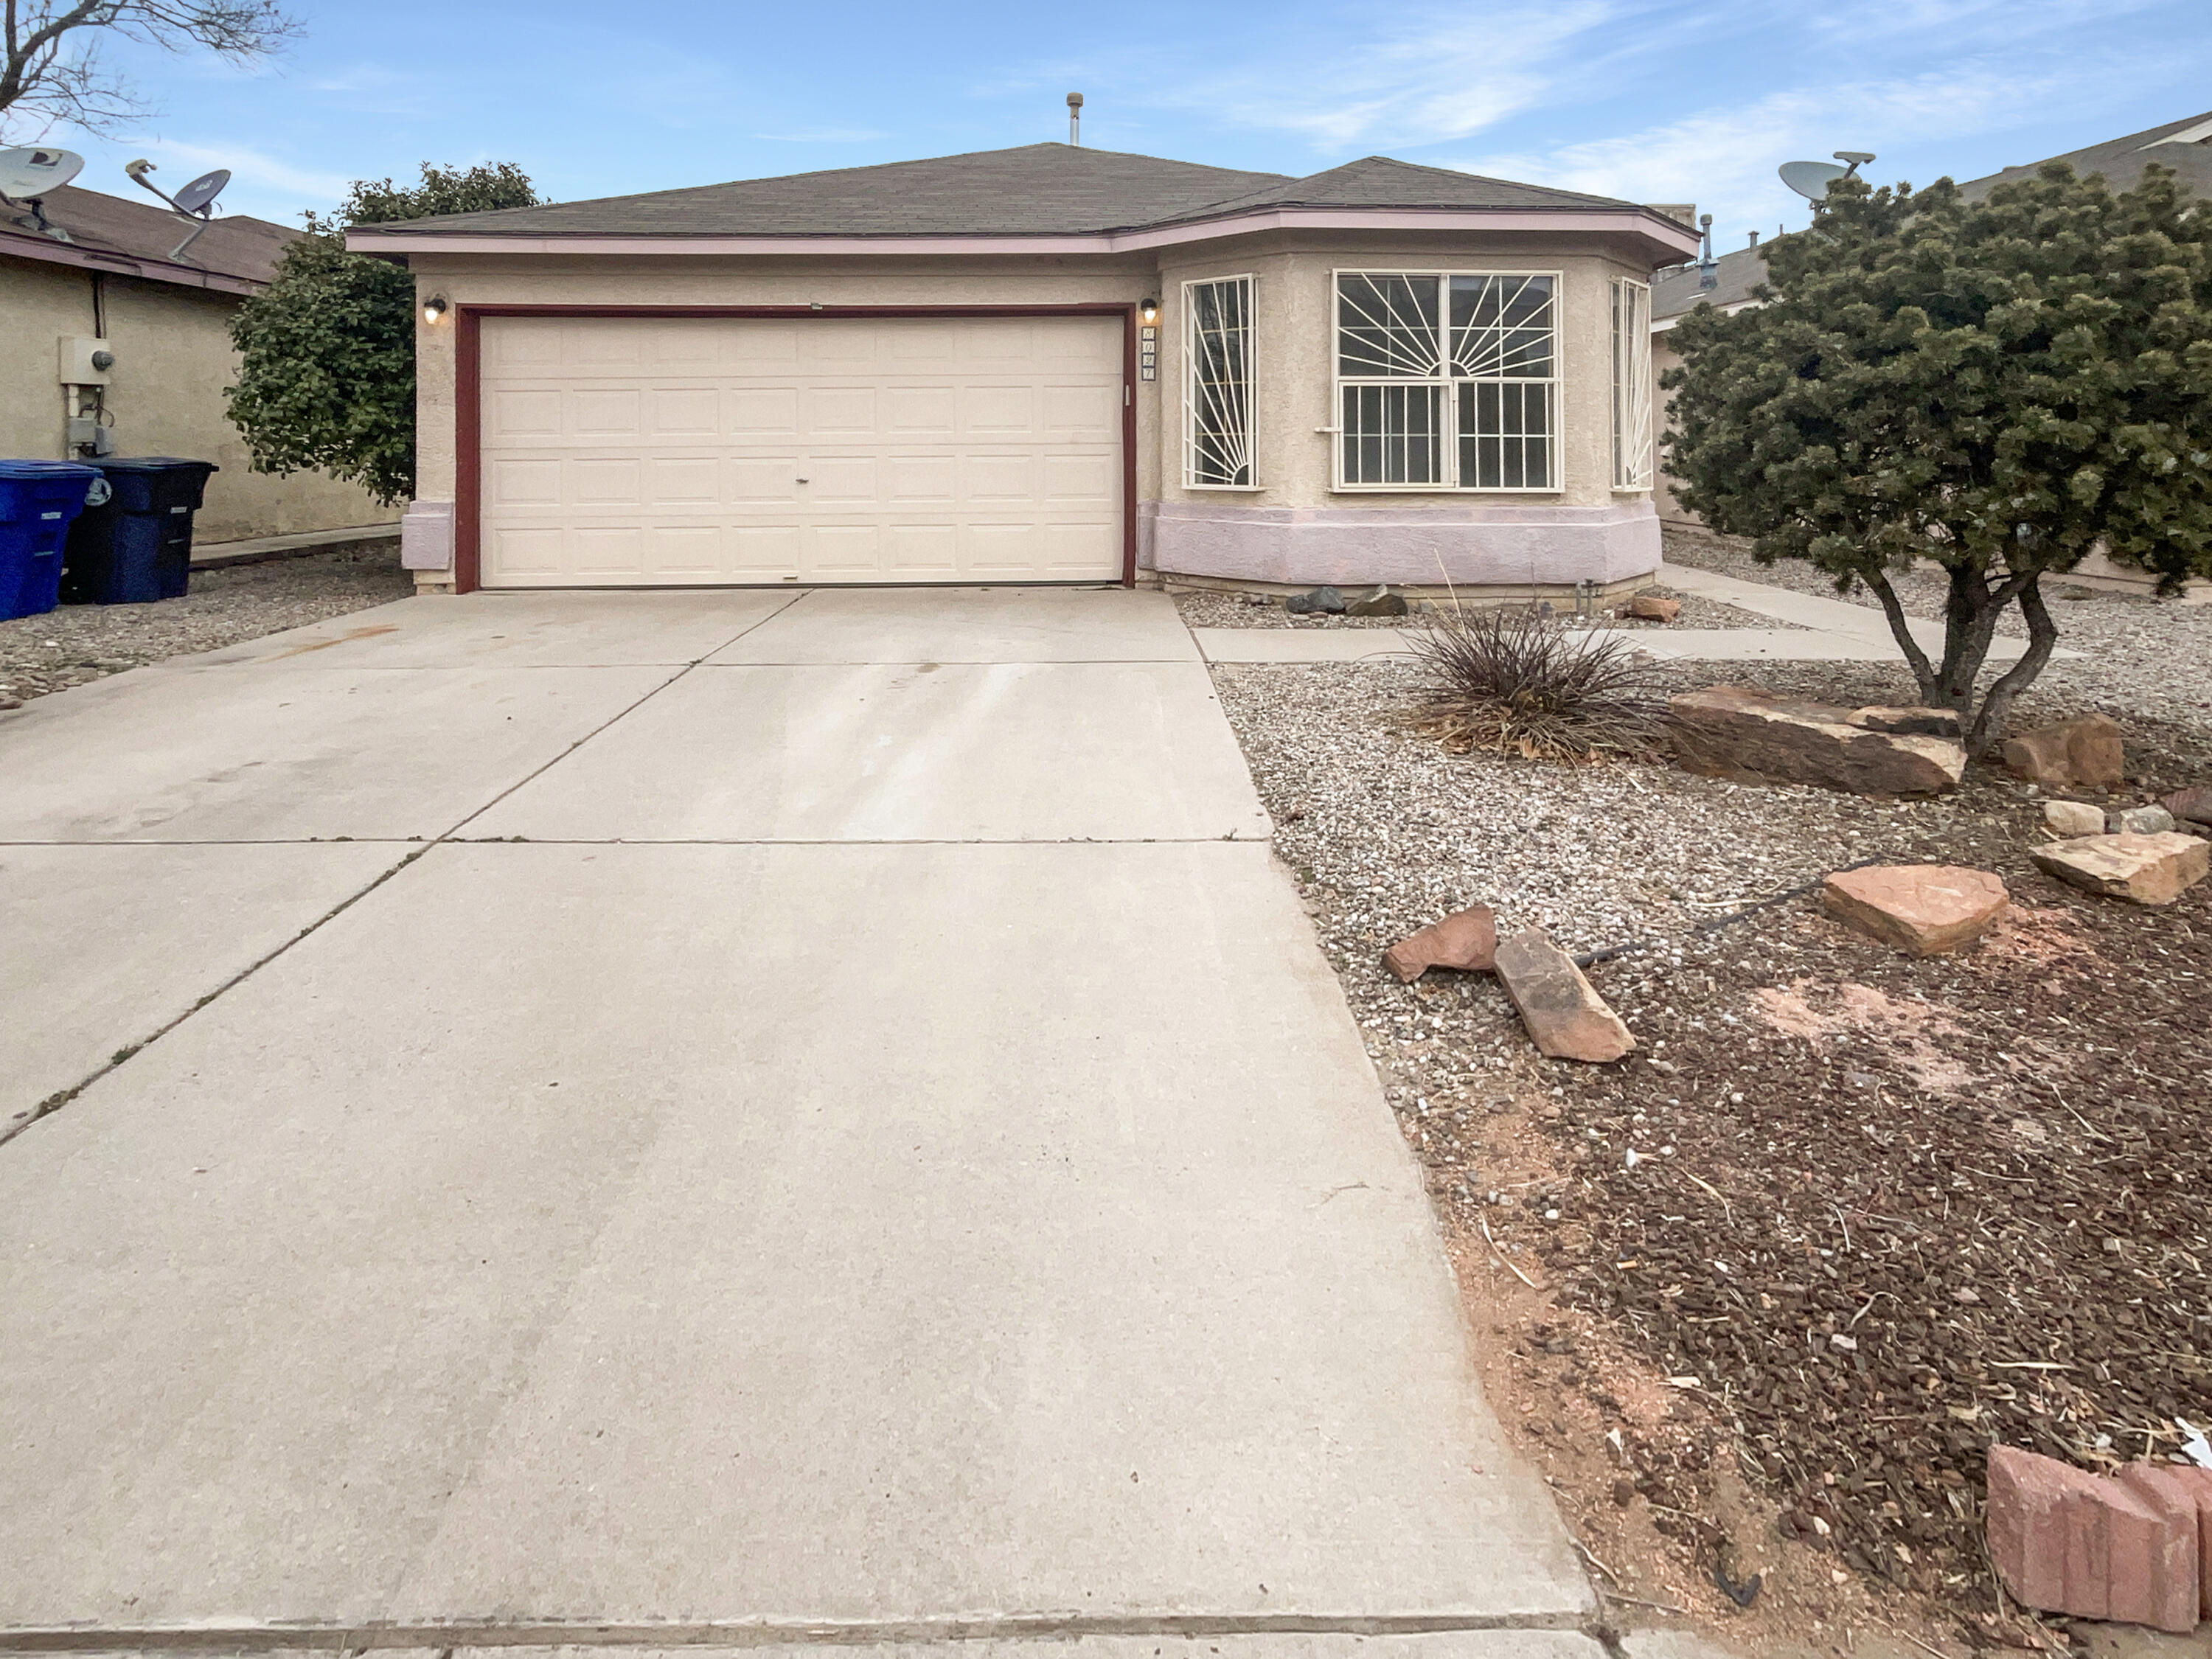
136	238
1036	190
2123	160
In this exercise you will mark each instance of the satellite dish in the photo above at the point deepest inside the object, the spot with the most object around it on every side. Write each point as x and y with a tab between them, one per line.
1811	180
196	201
200	194
34	169
1858	158
28	173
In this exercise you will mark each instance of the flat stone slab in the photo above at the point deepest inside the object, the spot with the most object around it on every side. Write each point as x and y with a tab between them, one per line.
2142	869
787	1234
1565	1017
1466	939
1754	737
1922	909
1007	752
104	945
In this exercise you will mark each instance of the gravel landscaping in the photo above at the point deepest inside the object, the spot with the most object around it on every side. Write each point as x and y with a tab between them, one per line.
2138	656
1202	609
81	642
1881	1210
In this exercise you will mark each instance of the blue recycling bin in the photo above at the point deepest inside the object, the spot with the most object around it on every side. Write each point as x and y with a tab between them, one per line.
38	500
137	546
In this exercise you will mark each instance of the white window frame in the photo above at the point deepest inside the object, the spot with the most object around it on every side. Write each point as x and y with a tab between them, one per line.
1448	429
1632	434
1190	389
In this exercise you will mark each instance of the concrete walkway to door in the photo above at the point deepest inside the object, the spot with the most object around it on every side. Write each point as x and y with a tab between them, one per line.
735	1116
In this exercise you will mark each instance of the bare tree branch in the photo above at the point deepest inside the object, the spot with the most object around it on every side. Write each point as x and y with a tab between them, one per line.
50	60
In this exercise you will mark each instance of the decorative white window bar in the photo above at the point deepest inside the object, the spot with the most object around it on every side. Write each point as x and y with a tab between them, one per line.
1631	384
1447	380
1217	383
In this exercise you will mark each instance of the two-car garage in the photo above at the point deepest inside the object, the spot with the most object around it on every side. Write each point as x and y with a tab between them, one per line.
665	449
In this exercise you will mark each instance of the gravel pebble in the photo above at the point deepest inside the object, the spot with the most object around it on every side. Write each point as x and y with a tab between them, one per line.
82	642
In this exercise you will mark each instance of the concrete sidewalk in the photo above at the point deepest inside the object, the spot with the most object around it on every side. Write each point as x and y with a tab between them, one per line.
1820	630
721	1114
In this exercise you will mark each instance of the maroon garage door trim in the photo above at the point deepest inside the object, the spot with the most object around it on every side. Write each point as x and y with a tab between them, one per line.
468	392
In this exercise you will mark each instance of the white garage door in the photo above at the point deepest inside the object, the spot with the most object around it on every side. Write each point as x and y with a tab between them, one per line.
624	452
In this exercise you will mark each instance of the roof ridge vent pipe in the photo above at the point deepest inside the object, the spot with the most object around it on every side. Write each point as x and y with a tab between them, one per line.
1706	276
1075	120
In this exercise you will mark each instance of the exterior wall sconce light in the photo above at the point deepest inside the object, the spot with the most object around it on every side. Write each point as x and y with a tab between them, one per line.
1149	310
435	309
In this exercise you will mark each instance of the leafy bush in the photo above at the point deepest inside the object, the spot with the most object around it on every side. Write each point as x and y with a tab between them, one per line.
327	370
1518	682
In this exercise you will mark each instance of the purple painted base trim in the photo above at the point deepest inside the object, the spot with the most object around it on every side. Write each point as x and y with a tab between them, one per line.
1476	545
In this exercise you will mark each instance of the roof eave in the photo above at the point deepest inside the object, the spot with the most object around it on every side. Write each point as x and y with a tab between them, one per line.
1666	238
114	264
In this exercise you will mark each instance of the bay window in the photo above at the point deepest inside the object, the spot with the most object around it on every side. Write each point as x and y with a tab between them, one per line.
1447	380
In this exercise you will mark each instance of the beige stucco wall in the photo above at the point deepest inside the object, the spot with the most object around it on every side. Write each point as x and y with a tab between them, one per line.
1663	357
1294	343
173	359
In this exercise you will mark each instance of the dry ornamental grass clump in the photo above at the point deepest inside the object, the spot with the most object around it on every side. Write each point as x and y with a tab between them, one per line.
1516	682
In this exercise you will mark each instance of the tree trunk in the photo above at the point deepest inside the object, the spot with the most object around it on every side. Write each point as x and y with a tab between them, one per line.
2042	635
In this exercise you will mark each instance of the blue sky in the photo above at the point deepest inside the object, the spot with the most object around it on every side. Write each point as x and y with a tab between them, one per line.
1653	99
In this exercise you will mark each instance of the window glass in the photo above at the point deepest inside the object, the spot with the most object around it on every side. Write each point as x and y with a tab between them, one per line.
1393	434
1387	327
1217	382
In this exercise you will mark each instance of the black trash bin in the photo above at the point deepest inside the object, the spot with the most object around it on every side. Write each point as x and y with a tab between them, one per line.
136	546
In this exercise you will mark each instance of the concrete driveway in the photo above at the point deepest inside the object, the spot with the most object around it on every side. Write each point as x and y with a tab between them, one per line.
748	1116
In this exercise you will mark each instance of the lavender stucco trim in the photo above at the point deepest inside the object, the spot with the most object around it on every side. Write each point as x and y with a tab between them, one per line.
426	536
1517	544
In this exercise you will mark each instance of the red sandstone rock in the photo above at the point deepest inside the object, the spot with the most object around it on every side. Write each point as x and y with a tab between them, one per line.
1466	939
2192	806
2067	1542
1734	732
2141	869
1566	1018
2186	1507
1649	607
1924	909
2086	753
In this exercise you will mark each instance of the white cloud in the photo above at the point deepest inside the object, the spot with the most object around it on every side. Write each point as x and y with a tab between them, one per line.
1442	76
1724	158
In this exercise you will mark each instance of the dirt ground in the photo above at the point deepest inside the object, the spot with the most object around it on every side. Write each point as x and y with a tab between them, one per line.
1844	1218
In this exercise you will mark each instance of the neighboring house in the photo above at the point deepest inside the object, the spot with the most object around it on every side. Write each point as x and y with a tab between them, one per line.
166	322
1037	365
2186	146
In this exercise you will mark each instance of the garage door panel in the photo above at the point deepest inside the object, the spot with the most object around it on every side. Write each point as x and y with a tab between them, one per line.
634	451
916	550
841	550
760	552
763	413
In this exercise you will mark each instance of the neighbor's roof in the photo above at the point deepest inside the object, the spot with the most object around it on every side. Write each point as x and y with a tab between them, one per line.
1734	276
1035	192
234	255
2186	146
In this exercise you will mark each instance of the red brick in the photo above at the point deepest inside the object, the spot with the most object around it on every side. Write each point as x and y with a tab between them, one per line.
2190	1491
2030	1528
2150	1572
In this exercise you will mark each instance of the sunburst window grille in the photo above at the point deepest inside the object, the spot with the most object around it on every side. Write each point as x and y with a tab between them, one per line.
1218	383
1447	380
1631	385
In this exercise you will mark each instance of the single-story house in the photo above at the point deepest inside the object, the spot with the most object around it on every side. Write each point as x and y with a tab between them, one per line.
1044	364
2184	145
118	285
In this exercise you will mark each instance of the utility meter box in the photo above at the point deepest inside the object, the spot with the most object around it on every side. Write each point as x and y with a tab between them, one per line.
85	361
